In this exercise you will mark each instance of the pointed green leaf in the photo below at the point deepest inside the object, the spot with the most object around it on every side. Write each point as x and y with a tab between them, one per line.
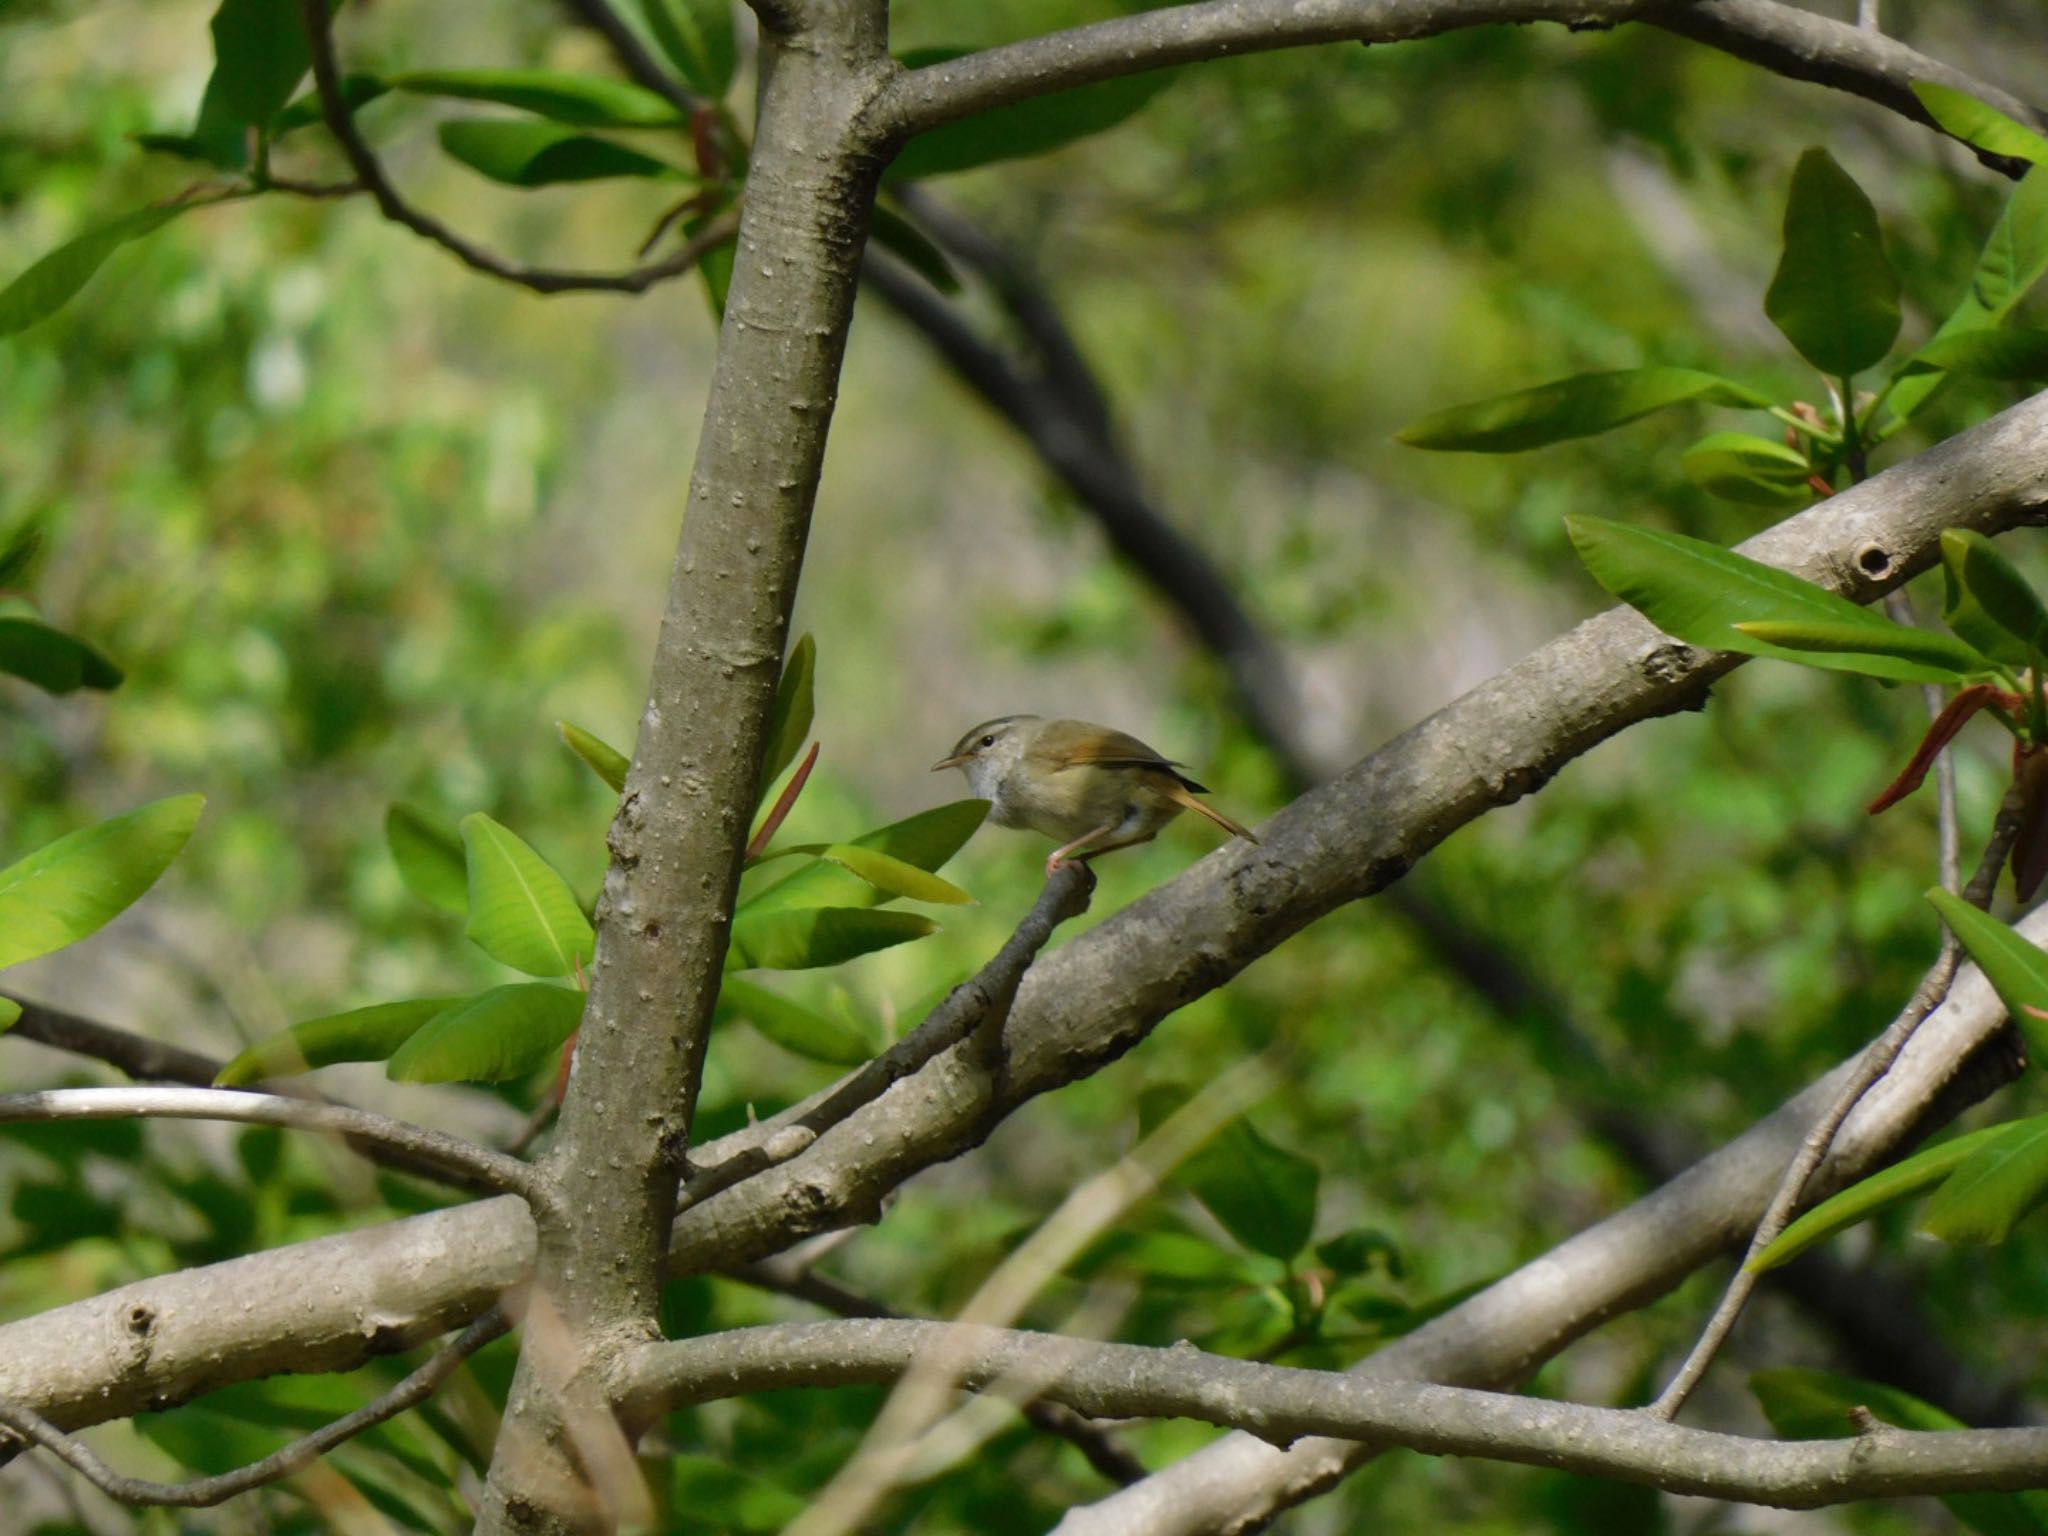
1579	406
51	283
54	661
607	762
1835	296
2009	356
2017	971
2000	1182
521	912
429	857
1980	124
1858	642
803	937
801	1030
893	876
1264	1195
697	38
1029	127
1984	588
77	885
2013	260
1753	471
493	1037
361	1034
522	154
925	840
1814	1405
18	551
795	706
1699	592
1860	1201
584	101
10	1012
259	57
357	90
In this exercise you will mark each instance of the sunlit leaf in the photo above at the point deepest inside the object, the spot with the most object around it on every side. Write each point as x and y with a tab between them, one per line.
2016	969
429	857
789	725
10	1013
75	886
52	660
1835	296
1902	1181
1699	592
697	38
1750	470
51	283
1861	642
2016	355
361	1034
1981	124
1029	127
1998	1184
799	938
606	761
523	154
925	840
891	876
804	1031
1579	406
584	101
521	912
1264	1195
495	1036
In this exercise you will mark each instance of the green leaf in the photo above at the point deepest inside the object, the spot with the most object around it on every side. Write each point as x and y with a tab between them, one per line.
925	840
1860	1201
803	937
77	885
495	1036
1264	1195
1999	1183
714	267
358	90
52	660
789	725
521	912
1835	296
1753	471
1858	641
52	282
697	38
10	1013
522	154
896	234
1699	592
259	58
584	101
892	876
2017	971
2009	356
1579	406
804	1031
607	762
1988	601
429	857
1980	124
361	1034
1027	128
1359	1250
2013	260
17	551
1814	1405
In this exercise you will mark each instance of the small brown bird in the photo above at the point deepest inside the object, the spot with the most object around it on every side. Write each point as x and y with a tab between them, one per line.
1088	787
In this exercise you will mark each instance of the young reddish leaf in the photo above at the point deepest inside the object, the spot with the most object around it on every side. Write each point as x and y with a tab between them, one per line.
784	803
1952	719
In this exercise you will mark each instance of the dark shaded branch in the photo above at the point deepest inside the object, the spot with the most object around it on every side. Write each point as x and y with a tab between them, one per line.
334	110
1282	1403
140	1057
409	1393
640	66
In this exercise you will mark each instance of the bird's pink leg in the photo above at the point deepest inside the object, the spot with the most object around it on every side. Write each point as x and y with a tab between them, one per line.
1059	855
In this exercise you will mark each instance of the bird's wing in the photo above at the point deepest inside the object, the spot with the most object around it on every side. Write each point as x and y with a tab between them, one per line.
1071	743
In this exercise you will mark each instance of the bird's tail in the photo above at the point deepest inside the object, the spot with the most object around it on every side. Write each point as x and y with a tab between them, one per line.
1181	796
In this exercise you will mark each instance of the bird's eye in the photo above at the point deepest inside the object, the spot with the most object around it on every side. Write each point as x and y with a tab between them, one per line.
988	741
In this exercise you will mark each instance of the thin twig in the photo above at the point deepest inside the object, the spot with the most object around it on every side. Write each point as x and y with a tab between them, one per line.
415	1389
633	56
493	1169
1871	1066
980	1003
334	109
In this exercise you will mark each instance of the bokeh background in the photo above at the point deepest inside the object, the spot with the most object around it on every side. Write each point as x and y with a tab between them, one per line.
362	526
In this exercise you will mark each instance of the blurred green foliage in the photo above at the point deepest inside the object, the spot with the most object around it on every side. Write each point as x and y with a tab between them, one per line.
360	527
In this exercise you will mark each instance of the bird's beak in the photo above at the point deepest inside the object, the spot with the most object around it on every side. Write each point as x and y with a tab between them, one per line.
959	761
